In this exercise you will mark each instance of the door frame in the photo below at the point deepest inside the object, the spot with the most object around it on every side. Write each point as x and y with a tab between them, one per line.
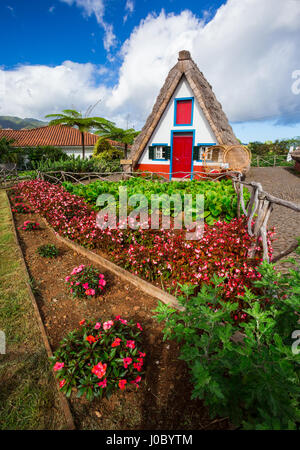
171	155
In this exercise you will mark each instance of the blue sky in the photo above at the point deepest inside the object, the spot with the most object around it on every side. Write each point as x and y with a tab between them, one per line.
72	53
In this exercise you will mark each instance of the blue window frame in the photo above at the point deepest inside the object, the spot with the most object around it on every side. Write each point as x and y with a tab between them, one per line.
201	144
159	145
175	111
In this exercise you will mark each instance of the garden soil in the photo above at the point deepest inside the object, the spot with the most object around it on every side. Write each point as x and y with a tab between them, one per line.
163	401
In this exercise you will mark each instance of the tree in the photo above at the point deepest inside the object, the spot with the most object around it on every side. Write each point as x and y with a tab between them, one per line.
120	135
8	154
72	118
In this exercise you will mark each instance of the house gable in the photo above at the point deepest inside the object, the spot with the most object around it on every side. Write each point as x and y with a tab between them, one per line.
166	126
201	90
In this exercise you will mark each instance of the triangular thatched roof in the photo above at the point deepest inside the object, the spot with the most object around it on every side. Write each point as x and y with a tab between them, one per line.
202	90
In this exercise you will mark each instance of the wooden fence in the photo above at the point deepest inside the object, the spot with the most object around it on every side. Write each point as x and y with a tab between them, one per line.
270	161
261	204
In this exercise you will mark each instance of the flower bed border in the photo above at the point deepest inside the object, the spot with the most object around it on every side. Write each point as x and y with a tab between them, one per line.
63	401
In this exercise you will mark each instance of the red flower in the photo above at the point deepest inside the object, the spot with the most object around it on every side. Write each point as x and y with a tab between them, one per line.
90	339
82	322
62	383
122	384
116	342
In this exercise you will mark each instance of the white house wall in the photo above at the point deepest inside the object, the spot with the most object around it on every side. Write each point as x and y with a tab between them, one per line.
162	133
77	151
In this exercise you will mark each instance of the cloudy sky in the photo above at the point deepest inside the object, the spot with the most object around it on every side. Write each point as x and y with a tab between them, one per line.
57	54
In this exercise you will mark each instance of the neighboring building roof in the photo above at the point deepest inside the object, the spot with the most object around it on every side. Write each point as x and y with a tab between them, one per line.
202	90
55	135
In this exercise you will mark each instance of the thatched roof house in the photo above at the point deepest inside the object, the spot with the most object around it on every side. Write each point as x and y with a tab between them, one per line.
187	131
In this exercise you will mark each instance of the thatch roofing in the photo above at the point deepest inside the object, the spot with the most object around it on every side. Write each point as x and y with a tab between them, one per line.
202	90
296	154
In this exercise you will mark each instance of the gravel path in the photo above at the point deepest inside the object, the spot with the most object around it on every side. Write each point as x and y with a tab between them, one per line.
285	184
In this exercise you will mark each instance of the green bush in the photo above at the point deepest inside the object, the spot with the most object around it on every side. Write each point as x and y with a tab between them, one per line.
48	251
44	153
107	157
72	164
8	154
253	380
98	359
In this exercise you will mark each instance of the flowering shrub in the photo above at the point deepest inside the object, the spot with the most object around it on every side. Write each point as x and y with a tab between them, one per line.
100	358
29	226
164	257
85	281
21	208
253	380
48	251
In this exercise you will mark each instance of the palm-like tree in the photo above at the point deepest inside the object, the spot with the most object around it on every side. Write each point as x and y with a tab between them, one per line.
120	135
73	118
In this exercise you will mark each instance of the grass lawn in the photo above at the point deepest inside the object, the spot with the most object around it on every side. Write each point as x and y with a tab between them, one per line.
27	390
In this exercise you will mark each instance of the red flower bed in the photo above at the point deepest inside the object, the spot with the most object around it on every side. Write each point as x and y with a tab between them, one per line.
162	256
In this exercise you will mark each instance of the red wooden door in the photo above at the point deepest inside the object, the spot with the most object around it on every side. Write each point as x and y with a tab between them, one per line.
182	155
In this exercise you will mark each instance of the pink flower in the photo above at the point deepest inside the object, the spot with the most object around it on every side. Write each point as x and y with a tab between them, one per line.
130	344
107	325
103	383
136	381
126	362
90	292
139	326
99	370
85	286
58	366
67	279
97	326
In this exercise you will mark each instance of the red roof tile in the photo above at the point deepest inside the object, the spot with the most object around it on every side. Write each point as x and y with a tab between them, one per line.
56	135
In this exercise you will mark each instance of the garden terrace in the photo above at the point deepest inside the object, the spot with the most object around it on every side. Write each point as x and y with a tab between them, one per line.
164	258
163	399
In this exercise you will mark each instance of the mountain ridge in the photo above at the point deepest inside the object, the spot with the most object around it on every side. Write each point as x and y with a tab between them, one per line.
17	123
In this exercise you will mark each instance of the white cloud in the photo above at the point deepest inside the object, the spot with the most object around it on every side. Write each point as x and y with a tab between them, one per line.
51	9
248	53
129	8
34	91
97	8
